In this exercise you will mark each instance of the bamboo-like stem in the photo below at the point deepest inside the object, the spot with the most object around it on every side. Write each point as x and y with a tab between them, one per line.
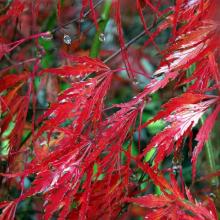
210	158
97	41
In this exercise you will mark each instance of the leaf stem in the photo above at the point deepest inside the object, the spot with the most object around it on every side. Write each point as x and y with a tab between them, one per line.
97	41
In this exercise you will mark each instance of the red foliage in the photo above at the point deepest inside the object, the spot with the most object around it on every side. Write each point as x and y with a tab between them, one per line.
172	204
76	145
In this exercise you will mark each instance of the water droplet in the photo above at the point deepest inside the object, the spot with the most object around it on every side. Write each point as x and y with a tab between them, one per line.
139	101
64	101
47	36
67	39
88	84
43	143
66	170
81	20
52	115
135	82
39	54
102	37
212	195
133	108
176	168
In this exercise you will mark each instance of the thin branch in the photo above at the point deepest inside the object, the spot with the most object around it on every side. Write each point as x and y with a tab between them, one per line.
18	64
76	19
140	35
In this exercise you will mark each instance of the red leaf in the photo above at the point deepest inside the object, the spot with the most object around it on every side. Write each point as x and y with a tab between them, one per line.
172	203
8	213
116	4
151	201
182	113
188	48
11	80
15	10
83	67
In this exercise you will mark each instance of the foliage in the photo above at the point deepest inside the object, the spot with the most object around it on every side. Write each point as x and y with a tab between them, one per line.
71	146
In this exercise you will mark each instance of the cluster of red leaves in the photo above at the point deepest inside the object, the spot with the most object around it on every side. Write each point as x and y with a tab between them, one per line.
78	145
172	204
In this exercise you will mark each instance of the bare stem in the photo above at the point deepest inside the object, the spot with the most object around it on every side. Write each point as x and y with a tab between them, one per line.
76	19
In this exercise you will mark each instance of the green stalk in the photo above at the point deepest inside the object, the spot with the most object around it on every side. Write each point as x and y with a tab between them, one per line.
208	145
149	156
211	158
96	44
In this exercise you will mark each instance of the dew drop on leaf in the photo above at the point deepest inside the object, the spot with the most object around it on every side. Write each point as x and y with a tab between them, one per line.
67	39
102	37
